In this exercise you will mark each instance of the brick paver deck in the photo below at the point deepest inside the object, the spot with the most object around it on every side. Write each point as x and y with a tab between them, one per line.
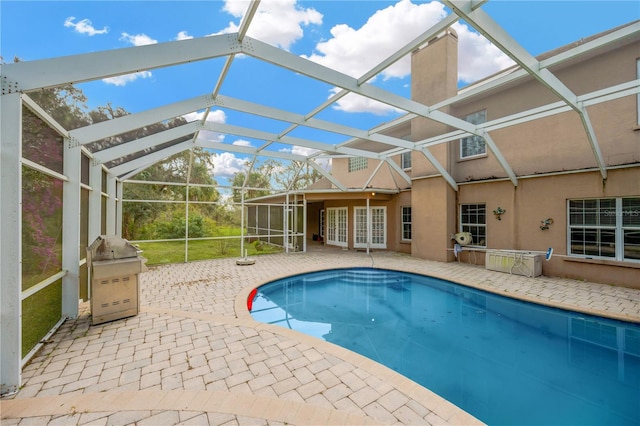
193	355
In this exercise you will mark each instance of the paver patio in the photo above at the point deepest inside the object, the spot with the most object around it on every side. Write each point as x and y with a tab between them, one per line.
193	355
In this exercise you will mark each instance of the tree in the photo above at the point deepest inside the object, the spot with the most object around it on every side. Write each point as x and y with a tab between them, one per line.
256	181
42	195
296	175
138	216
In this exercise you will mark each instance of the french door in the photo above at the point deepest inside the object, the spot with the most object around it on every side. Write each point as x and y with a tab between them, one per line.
337	226
378	233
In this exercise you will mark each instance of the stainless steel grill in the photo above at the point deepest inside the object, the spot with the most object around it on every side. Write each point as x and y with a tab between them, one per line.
114	265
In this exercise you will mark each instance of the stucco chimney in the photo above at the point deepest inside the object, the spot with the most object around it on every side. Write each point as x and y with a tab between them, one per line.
434	69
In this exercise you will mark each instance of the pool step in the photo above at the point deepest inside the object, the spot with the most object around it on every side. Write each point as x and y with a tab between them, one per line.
375	277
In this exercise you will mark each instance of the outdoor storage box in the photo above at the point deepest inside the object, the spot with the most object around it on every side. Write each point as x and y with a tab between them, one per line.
516	262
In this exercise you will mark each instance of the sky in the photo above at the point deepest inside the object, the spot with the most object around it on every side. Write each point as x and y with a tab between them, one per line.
349	36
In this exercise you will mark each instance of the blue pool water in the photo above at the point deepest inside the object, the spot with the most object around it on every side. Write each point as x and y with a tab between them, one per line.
504	361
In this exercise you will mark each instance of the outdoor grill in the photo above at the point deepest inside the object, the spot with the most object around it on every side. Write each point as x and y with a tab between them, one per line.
114	265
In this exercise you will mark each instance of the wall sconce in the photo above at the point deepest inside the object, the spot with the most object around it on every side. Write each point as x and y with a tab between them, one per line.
373	194
545	224
499	212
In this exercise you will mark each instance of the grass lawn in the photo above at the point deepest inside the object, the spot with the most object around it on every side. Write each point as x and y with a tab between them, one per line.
159	253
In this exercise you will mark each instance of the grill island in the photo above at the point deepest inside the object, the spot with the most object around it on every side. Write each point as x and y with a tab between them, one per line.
114	265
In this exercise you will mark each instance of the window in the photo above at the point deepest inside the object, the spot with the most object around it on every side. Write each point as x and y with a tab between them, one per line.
606	227
473	218
405	160
406	223
473	146
357	163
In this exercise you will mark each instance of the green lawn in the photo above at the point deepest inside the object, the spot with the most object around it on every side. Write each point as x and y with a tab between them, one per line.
159	253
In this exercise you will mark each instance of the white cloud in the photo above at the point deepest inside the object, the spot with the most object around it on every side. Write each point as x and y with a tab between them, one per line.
477	57
123	80
356	51
277	22
241	142
183	35
214	116
302	150
137	39
84	26
226	165
357	103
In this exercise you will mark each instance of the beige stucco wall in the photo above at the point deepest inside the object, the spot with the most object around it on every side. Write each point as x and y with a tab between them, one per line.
558	142
536	199
434	219
383	177
551	156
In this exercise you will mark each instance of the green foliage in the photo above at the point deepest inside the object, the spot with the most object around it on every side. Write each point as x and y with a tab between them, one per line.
140	218
66	104
175	228
40	312
256	181
41	202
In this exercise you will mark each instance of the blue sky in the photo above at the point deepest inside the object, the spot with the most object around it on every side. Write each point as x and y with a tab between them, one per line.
351	36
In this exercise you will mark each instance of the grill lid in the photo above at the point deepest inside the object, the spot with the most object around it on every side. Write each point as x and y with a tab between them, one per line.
111	247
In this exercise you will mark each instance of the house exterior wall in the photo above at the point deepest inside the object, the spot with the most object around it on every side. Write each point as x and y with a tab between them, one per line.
539	198
551	157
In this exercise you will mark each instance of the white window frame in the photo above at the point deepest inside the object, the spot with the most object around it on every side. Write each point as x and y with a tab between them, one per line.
337	226
615	219
404	223
475	226
375	231
477	117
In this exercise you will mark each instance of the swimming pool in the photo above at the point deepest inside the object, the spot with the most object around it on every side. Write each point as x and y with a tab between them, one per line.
505	361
